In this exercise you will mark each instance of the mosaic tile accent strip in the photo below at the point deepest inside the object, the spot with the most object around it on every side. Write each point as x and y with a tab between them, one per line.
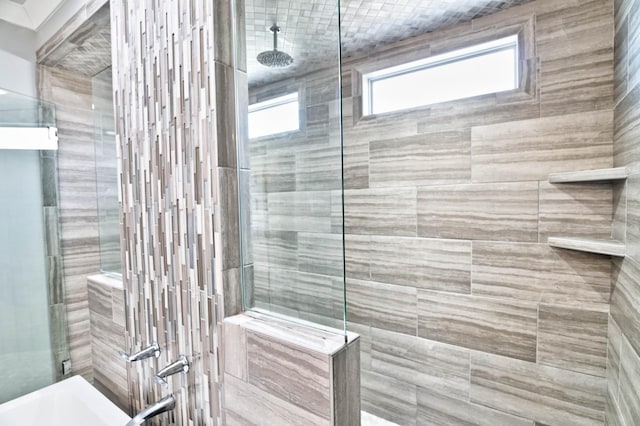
173	86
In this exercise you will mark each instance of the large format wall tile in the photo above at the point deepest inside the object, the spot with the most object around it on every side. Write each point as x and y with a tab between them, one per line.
385	306
422	362
575	45
421	160
627	130
434	264
573	339
299	211
381	211
435	409
531	149
614	347
546	394
539	273
246	404
625	300
561	204
632	198
497	326
289	373
387	398
502	211
629	392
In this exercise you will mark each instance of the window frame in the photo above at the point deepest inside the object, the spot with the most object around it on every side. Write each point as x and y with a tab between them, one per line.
272	103
512	41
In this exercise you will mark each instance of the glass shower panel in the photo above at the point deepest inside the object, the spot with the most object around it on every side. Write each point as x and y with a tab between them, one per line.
106	172
290	158
26	354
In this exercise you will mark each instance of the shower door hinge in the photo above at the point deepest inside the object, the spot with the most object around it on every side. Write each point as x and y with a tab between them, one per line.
66	367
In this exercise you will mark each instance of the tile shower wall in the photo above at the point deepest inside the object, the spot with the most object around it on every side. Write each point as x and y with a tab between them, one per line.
466	314
623	349
106	309
71	94
174	94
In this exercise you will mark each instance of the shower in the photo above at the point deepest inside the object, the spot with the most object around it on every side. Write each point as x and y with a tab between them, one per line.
275	58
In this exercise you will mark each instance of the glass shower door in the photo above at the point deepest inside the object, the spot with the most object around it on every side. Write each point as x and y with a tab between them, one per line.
33	332
26	356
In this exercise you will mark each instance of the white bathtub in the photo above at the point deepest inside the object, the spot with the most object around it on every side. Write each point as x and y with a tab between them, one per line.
72	402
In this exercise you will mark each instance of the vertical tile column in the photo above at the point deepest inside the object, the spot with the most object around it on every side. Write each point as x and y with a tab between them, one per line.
174	97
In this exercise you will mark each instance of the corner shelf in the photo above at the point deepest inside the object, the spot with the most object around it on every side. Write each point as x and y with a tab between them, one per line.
618	173
606	247
590	245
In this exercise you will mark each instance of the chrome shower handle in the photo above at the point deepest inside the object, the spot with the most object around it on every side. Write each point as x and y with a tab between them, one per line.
180	365
152	350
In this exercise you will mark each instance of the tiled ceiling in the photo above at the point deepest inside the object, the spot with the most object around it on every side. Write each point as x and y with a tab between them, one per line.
88	50
309	28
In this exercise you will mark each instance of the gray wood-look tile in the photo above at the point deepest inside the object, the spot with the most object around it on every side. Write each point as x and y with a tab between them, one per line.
235	347
500	211
539	273
629	393
427	159
385	306
357	257
627	130
570	39
346	386
297	293
321	253
532	149
632	222
299	211
278	249
573	339
435	409
479	111
620	54
496	326
319	169
107	336
273	172
425	363
612	413
435	264
560	204
250	405
625	300
380	211
634	45
614	346
388	398
546	394
299	377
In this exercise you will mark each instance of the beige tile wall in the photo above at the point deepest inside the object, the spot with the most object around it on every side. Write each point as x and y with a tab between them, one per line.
623	349
280	373
107	316
466	314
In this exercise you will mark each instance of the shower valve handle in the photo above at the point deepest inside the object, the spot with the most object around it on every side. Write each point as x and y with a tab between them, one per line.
152	350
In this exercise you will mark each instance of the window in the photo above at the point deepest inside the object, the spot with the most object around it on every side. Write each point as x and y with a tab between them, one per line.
473	71
274	116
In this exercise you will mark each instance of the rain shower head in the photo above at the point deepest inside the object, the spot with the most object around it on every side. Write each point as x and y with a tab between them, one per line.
275	58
